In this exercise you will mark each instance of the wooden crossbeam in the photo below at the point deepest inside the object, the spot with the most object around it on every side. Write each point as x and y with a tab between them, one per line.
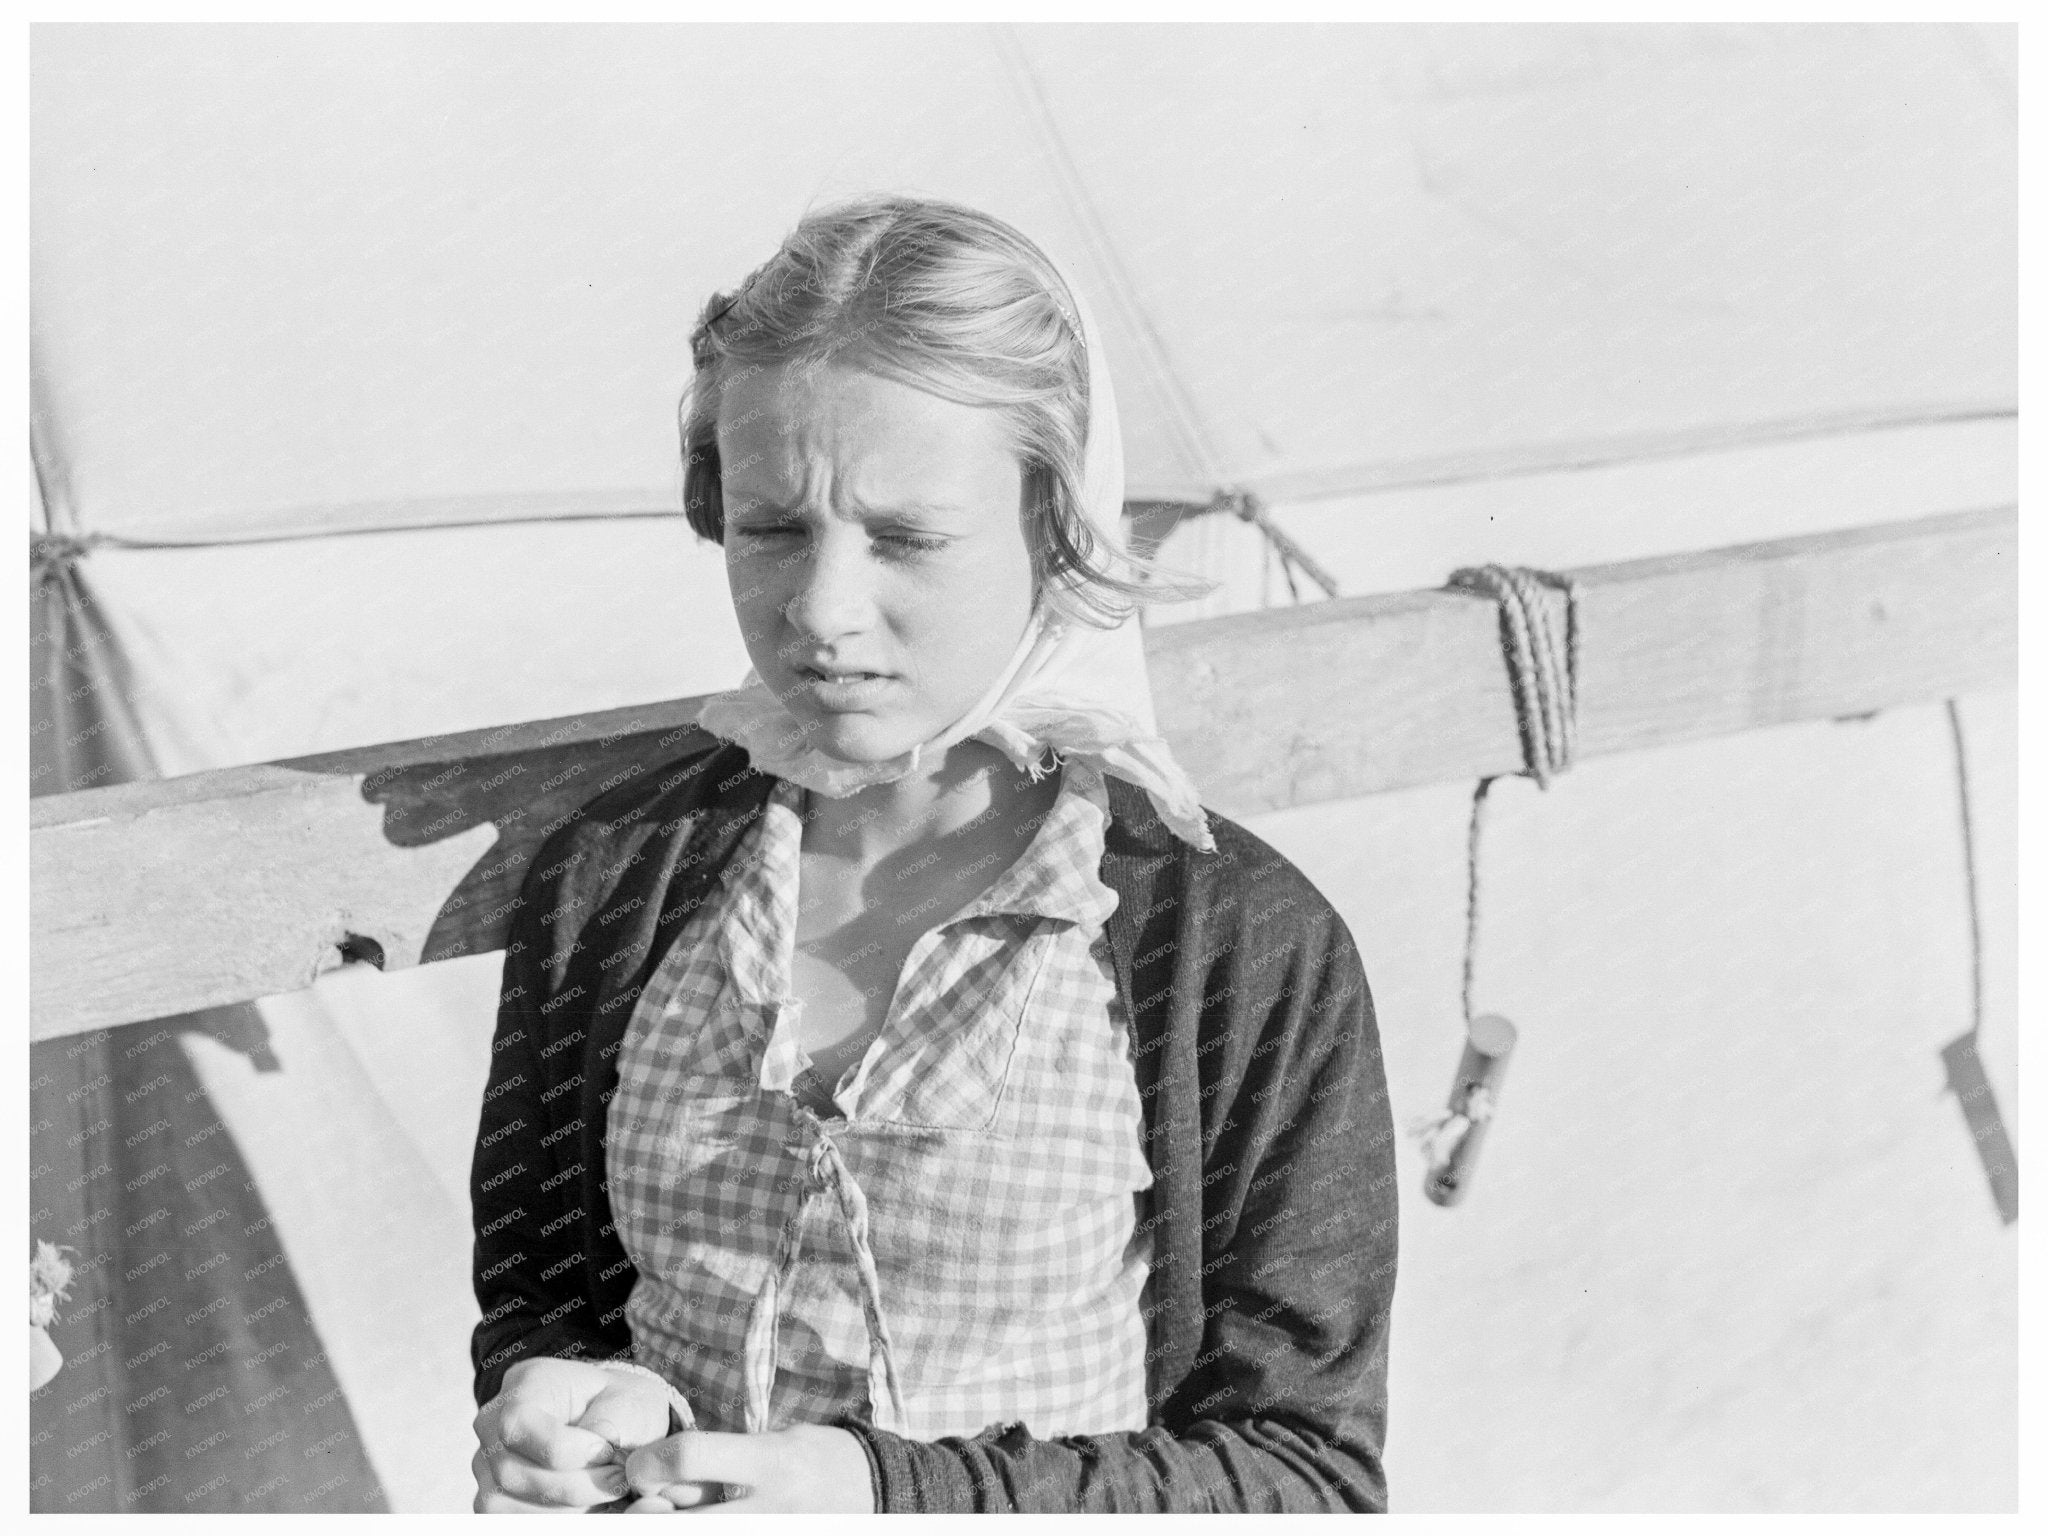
160	898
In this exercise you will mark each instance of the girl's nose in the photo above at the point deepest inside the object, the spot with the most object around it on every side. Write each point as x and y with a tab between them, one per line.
834	595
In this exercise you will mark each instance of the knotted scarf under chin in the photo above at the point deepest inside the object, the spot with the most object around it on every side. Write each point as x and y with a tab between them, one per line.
1046	706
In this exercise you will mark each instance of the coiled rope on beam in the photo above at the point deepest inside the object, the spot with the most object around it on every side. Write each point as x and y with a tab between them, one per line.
1542	675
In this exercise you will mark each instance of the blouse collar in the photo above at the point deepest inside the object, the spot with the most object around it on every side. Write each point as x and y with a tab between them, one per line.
1057	876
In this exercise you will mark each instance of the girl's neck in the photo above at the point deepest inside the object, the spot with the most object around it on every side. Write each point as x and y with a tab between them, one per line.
972	787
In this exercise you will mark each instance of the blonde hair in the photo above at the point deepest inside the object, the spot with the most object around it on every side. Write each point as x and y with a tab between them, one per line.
949	300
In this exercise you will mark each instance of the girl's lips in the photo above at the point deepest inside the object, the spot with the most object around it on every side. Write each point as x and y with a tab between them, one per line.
842	690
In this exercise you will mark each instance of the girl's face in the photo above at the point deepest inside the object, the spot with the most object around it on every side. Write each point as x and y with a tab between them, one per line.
875	550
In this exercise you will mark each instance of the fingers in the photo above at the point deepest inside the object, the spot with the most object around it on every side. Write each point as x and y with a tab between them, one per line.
504	1504
532	1432
630	1413
578	1489
529	1460
698	1498
694	1495
695	1468
563	1387
486	1485
738	1501
660	1463
492	1498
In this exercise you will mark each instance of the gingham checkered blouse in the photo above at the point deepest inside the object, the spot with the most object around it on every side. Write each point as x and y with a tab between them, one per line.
946	1238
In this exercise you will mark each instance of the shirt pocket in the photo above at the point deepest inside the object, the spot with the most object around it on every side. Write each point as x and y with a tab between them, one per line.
950	1047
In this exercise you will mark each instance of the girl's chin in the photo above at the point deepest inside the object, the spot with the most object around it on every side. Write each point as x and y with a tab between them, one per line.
857	742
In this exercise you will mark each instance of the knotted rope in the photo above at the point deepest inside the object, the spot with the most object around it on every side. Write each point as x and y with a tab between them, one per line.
1543	680
50	555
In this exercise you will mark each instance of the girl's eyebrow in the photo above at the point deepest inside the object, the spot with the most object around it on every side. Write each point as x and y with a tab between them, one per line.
766	507
937	509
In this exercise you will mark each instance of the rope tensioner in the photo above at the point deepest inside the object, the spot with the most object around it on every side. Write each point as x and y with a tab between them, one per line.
1543	679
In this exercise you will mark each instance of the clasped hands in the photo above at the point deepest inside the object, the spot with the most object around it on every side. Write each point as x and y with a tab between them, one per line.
568	1435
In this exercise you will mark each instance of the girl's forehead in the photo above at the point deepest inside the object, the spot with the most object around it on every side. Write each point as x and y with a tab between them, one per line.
782	432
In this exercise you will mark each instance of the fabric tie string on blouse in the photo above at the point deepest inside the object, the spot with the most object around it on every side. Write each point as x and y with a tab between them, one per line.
1071	689
827	1172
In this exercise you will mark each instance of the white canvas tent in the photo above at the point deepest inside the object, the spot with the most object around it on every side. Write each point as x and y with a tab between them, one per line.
424	292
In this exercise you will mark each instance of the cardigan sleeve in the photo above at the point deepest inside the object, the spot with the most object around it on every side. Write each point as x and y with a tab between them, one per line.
1285	1409
525	1190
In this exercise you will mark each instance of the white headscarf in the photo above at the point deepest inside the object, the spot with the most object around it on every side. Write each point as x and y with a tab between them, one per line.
1073	688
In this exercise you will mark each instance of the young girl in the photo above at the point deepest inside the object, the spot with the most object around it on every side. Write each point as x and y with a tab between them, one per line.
919	1102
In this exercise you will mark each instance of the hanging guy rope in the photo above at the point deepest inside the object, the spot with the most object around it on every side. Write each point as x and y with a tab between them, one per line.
1545	688
1966	1079
1279	543
1543	680
1955	730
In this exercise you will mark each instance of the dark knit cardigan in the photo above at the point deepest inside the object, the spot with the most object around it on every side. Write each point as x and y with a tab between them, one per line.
1266	1123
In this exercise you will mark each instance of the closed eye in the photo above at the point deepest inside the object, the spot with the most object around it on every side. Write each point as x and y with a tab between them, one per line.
894	543
910	543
